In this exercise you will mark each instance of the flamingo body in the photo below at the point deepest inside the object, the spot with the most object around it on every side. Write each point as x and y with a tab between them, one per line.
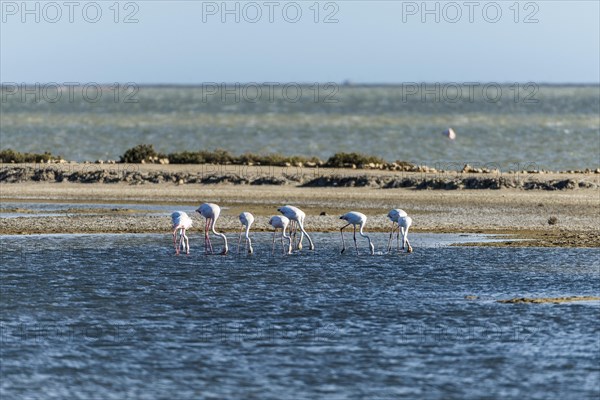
396	213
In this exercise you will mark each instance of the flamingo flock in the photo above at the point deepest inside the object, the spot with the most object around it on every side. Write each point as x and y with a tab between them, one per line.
291	217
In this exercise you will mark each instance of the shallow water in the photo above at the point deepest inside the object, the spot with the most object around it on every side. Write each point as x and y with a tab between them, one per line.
119	316
555	129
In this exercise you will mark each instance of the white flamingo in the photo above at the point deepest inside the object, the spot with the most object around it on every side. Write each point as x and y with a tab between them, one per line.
281	222
355	218
181	222
247	220
211	212
400	217
393	215
297	215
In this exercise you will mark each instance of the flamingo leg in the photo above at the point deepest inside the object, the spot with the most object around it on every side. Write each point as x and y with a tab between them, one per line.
240	239
343	243
180	244
289	247
293	233
206	236
212	251
205	244
301	234
273	247
185	241
355	244
175	242
208	223
282	245
403	233
389	246
405	240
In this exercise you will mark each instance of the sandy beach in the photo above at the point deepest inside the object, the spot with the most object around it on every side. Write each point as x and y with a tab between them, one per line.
522	214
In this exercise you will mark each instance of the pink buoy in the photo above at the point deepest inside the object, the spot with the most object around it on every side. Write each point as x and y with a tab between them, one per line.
450	134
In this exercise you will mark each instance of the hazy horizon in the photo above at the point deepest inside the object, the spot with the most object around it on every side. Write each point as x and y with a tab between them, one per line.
191	42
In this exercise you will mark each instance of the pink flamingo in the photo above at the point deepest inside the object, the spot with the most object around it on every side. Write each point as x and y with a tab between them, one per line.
281	222
246	219
294	214
393	215
400	217
181	222
211	213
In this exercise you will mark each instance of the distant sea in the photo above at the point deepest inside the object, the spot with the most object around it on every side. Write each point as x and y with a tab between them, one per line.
508	127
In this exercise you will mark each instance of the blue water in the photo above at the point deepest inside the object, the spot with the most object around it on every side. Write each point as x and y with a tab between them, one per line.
121	317
557	128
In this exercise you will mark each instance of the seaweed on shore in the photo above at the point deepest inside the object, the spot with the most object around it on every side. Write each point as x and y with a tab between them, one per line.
11	156
349	160
141	153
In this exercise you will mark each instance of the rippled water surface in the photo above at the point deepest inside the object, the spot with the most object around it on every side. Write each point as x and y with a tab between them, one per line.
546	127
115	316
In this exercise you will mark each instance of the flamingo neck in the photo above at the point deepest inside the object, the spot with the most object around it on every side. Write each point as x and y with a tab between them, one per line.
224	239
303	232
366	236
360	231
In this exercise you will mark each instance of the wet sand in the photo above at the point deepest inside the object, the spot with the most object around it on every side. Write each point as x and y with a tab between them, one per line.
555	300
522	214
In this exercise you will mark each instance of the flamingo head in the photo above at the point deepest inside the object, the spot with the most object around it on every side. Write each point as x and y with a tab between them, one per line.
372	248
409	249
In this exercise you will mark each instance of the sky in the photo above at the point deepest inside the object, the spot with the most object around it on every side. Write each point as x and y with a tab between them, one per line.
194	42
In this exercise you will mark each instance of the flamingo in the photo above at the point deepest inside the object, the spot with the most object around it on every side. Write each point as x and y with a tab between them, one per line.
297	215
393	215
355	218
246	219
404	222
211	212
281	222
181	222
